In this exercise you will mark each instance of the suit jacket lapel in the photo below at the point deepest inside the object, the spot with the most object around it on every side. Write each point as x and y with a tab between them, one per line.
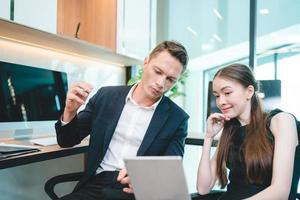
116	113
159	118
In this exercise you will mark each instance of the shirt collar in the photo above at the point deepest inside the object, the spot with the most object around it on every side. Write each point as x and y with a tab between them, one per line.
130	98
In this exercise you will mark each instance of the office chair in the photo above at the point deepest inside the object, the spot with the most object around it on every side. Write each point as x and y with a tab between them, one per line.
296	173
51	183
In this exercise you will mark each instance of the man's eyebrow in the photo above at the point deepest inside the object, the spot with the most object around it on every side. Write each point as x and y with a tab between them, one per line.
159	69
173	78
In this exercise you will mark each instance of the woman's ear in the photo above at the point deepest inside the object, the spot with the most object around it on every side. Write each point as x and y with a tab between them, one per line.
250	92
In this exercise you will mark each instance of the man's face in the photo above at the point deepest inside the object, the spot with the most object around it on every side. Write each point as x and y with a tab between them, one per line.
160	74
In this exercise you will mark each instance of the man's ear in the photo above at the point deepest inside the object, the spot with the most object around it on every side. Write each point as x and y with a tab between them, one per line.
146	61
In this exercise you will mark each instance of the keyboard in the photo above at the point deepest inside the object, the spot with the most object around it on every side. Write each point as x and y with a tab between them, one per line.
45	141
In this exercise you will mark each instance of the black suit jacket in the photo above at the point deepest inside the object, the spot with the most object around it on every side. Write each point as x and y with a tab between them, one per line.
165	135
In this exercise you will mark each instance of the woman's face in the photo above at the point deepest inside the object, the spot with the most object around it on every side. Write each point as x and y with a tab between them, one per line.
232	98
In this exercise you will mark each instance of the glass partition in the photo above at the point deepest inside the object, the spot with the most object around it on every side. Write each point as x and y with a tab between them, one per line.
213	35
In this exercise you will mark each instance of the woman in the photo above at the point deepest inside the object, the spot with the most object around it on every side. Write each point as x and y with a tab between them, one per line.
257	148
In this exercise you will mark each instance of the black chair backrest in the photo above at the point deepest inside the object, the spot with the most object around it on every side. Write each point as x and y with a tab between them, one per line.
296	173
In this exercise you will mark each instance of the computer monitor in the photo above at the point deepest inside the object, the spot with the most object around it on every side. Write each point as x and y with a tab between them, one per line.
211	101
30	94
269	92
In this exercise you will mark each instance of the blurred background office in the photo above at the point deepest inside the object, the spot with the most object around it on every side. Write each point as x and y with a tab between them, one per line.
264	34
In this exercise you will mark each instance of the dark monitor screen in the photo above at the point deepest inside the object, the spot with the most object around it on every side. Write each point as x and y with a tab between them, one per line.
30	93
269	91
211	101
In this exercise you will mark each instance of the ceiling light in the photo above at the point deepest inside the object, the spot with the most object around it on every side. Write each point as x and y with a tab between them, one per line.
261	95
264	11
216	12
192	31
207	47
217	37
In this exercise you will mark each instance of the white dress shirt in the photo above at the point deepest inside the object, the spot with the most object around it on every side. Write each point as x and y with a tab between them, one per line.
129	133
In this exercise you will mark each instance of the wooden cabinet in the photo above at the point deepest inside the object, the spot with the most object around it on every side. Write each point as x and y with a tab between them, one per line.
97	20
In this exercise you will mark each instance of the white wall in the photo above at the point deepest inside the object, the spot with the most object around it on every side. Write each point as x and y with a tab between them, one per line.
194	102
191	161
37	14
136	28
5	9
34	13
26	182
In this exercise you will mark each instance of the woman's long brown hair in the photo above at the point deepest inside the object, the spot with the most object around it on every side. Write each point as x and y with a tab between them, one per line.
257	148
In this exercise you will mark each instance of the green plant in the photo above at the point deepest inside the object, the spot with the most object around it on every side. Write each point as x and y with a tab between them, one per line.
175	91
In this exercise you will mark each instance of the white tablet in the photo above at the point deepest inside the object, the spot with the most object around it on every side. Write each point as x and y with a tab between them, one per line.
157	178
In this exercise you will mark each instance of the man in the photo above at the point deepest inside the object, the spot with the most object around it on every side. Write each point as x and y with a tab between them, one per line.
125	121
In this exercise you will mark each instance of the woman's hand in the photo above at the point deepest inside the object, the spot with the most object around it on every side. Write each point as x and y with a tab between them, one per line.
214	123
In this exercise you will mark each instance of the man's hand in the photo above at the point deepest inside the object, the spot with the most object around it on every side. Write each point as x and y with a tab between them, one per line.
124	179
76	97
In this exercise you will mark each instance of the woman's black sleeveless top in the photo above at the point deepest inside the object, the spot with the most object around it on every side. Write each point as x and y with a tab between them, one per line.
239	187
